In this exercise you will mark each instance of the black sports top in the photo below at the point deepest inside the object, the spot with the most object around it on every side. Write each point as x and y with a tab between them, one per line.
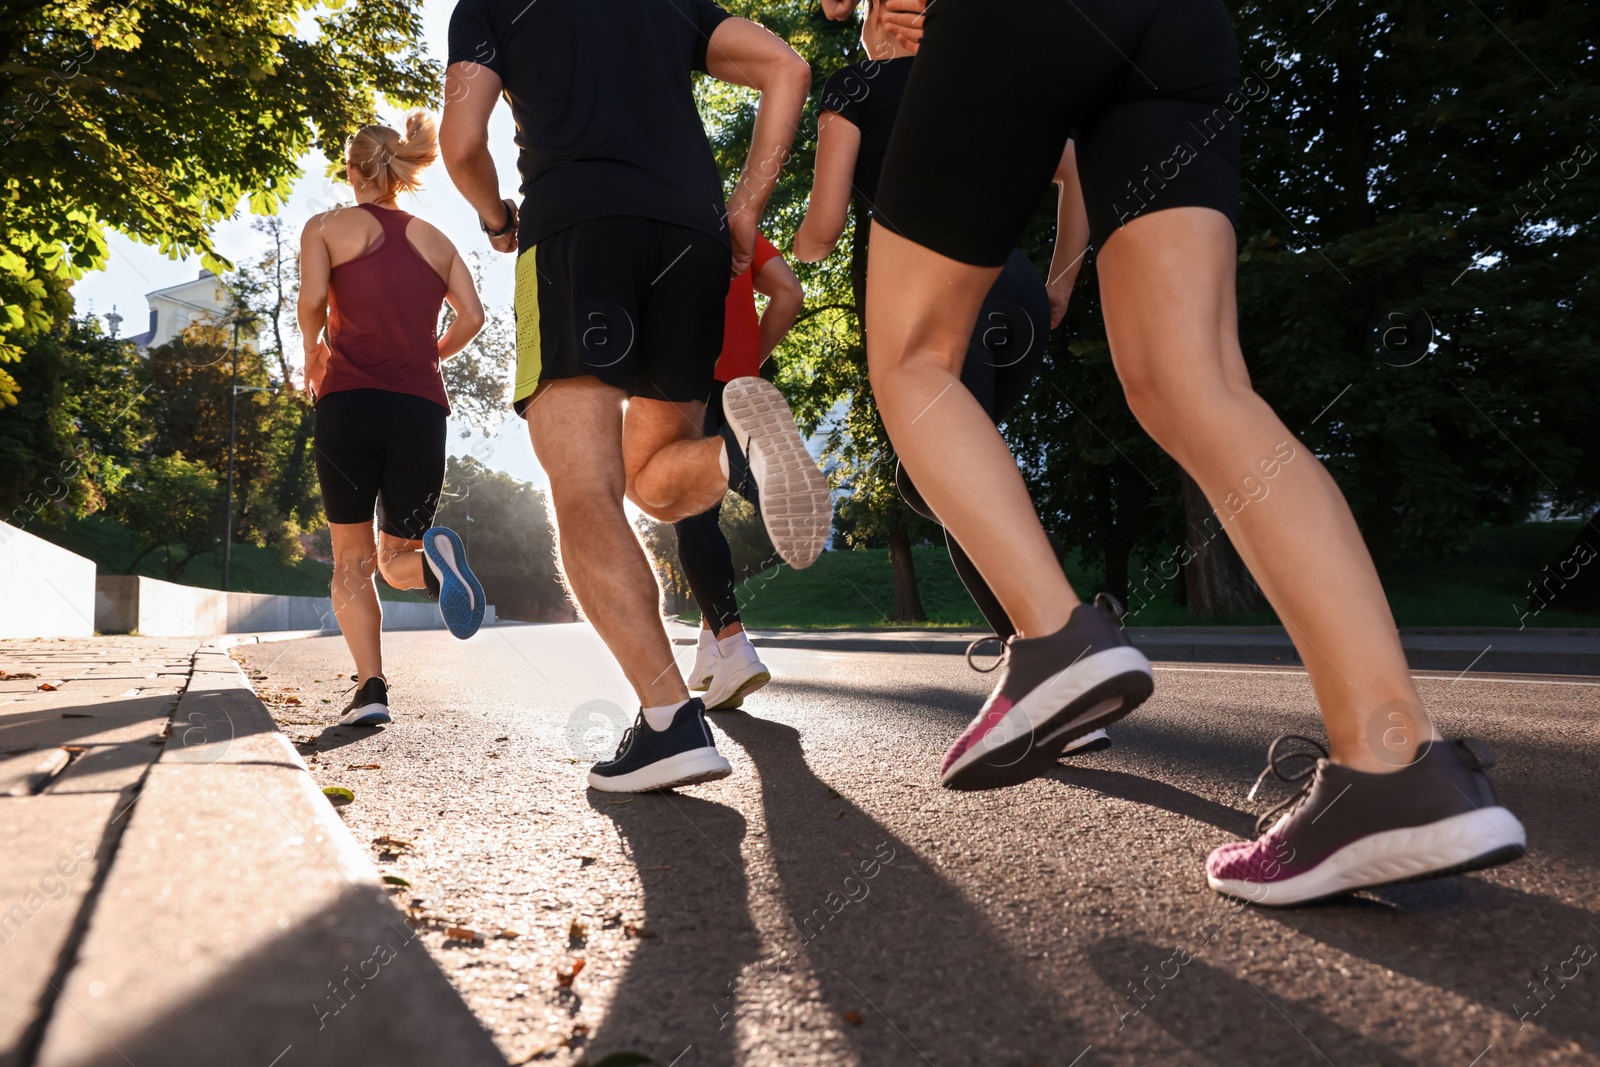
601	92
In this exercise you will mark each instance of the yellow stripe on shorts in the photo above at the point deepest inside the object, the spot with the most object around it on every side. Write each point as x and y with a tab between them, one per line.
530	361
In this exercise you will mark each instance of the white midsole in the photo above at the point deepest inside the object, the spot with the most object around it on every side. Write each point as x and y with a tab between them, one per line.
362	712
724	686
447	551
1048	699
1390	856
664	773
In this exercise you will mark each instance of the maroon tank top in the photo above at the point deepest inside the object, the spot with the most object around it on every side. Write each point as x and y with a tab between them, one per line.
383	317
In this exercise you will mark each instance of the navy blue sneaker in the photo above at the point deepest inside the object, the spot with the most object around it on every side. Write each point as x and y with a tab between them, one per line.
460	595
370	705
682	754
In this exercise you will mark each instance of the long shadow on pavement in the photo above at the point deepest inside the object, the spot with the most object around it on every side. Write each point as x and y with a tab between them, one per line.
1482	941
1224	1018
906	951
674	992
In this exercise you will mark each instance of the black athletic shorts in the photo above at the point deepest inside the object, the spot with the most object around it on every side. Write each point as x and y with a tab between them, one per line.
637	303
1148	89
374	445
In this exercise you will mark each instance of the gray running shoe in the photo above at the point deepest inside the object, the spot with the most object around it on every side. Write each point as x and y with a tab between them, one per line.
1346	829
1053	691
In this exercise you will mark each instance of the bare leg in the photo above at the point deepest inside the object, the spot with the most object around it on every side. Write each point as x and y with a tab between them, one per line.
673	469
1167	284
400	562
355	598
576	428
949	445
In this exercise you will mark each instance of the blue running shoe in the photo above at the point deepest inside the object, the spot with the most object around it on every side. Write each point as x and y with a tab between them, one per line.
682	754
460	595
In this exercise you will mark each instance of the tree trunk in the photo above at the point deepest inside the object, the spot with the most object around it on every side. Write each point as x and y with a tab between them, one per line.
1216	581
907	600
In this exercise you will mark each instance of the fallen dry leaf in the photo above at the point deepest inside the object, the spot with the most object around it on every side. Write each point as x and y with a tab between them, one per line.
363	767
577	931
637	930
7	676
839	814
499	739
660	867
394	844
853	1018
461	933
564	978
46	687
509	934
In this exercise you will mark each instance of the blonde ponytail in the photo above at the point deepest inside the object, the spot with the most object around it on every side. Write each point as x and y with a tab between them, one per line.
382	157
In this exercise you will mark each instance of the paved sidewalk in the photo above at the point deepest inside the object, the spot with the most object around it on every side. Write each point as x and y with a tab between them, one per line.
167	859
1476	649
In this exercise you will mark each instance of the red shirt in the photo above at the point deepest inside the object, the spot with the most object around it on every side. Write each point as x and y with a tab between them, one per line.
383	317
741	332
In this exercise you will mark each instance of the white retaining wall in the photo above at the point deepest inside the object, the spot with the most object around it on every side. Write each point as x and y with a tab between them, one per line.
45	591
124	603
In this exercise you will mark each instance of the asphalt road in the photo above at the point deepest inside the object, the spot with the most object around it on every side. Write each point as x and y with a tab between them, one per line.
829	904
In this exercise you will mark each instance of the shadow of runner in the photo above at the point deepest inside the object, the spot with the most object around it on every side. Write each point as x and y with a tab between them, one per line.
1157	794
1481	941
1226	1019
687	853
904	948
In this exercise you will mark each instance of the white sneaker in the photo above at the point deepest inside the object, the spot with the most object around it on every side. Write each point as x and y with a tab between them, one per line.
796	504
739	672
705	662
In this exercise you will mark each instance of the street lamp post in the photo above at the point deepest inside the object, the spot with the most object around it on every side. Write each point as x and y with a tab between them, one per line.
233	423
233	420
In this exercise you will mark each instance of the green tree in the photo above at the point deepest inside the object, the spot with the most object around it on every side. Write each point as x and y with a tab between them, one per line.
171	504
158	119
79	424
1418	265
478	378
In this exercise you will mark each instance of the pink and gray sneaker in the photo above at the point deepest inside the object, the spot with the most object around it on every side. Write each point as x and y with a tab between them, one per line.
1053	690
1347	830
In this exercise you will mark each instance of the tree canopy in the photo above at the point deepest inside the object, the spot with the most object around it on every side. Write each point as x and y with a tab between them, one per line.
158	119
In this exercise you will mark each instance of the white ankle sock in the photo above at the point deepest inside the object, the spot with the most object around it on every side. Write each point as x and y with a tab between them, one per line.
727	646
660	718
707	638
722	459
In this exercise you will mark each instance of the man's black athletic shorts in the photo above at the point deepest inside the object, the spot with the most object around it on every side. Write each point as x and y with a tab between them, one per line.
637	303
1148	89
374	445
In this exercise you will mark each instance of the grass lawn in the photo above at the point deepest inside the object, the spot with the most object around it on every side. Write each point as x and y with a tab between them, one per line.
253	569
1486	586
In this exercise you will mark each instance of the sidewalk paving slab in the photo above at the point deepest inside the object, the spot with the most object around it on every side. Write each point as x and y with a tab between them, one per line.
219	910
52	847
242	924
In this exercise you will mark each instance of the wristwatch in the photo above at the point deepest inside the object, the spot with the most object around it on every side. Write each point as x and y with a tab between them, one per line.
511	214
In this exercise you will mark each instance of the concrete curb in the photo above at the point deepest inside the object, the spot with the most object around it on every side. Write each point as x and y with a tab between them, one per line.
236	883
1480	651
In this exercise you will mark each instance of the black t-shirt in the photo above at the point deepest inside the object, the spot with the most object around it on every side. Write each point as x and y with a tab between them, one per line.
868	95
602	96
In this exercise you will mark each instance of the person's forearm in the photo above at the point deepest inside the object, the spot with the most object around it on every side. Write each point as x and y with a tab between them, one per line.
1072	227
810	246
476	178
777	122
312	321
458	335
777	321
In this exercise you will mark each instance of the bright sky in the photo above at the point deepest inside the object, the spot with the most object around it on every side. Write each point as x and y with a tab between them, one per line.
135	269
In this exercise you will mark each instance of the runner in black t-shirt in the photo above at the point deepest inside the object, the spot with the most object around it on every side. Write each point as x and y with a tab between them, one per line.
626	249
